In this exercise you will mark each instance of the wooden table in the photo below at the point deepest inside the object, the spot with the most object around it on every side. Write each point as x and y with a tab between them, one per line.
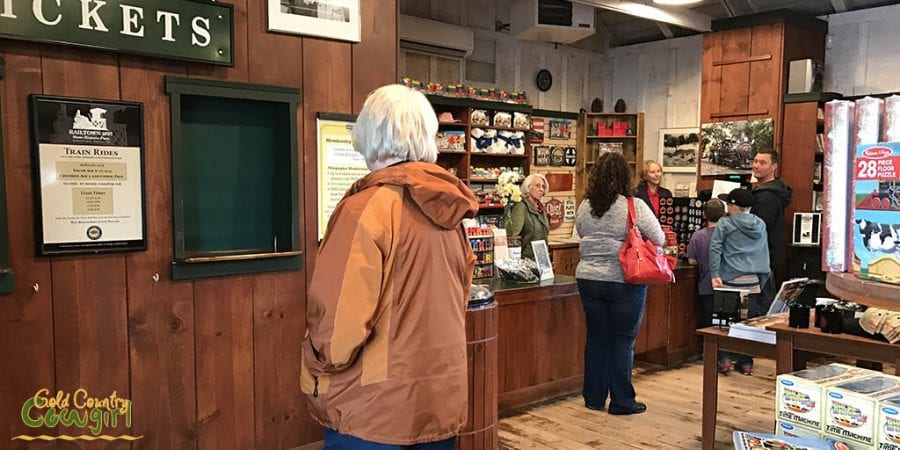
714	340
789	340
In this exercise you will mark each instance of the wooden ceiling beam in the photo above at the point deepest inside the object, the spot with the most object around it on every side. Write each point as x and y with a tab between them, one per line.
666	31
680	17
839	6
729	10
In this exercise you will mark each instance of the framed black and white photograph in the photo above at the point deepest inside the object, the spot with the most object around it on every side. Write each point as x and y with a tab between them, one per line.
88	160
680	149
331	19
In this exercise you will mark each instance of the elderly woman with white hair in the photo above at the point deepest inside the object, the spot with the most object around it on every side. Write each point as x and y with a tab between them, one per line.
527	219
384	357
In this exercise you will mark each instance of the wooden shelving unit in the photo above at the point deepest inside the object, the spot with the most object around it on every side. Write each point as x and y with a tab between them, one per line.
462	162
592	144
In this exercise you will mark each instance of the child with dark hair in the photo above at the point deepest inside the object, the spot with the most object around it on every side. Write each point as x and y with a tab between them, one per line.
698	255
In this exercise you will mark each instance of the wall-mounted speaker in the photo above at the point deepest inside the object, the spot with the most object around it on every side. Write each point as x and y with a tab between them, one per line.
804	76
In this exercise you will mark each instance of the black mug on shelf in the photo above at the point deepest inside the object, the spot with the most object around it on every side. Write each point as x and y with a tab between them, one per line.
832	320
798	317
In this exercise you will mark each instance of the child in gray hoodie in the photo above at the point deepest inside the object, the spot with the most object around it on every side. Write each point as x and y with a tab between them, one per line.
739	258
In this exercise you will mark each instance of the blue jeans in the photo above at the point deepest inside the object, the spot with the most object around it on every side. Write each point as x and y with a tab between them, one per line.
612	313
338	441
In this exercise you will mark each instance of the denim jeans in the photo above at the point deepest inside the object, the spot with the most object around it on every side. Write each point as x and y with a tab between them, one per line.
337	441
612	313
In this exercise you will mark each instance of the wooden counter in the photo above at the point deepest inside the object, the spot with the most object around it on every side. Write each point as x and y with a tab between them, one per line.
671	316
540	340
541	334
564	256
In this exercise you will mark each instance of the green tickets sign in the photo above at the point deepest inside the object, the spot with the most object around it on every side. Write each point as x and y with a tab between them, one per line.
192	30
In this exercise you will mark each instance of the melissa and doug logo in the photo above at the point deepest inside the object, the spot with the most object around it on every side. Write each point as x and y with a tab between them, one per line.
797	402
79	410
877	152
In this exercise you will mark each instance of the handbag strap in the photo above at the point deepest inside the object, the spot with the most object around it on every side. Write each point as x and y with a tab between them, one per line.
632	216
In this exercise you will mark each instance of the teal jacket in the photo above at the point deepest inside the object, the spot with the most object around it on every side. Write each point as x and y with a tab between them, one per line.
739	247
527	223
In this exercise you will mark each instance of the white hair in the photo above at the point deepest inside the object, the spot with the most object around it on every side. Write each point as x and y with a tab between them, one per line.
530	179
396	122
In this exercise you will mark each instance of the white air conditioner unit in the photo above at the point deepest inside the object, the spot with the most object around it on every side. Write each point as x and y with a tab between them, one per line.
434	37
557	21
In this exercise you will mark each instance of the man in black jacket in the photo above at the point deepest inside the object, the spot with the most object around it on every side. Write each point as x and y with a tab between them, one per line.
770	197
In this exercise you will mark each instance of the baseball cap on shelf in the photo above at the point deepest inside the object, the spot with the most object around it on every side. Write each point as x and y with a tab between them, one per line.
739	197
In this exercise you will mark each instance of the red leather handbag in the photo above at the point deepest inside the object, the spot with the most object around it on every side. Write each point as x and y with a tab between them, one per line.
642	262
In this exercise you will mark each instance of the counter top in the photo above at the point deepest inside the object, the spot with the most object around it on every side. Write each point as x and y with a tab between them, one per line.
498	285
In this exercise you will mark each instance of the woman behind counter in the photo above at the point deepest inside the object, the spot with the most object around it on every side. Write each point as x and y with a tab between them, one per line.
527	219
612	308
649	189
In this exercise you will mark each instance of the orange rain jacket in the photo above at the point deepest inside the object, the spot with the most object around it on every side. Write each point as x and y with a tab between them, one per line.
384	358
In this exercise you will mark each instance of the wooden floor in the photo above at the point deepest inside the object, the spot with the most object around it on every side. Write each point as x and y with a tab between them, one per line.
672	420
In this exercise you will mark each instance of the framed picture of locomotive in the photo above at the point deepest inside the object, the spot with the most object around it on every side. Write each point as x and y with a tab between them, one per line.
679	148
728	148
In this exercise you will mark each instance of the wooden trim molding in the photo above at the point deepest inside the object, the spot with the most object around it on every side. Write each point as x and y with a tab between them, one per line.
508	401
761	112
7	283
726	62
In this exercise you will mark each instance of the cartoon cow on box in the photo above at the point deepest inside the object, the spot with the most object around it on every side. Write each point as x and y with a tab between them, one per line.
880	237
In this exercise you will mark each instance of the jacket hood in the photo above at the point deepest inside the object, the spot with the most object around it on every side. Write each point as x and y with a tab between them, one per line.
778	189
442	197
749	225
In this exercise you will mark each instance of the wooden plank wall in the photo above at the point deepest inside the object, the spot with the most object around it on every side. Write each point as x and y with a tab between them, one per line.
737	89
565	230
209	364
667	90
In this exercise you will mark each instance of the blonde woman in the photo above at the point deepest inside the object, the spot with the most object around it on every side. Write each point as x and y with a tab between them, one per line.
649	189
528	220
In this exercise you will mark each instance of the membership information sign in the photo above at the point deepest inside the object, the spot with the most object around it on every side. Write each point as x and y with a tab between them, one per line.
339	164
89	175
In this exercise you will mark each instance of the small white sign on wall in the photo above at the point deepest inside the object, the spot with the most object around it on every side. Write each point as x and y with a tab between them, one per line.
569	209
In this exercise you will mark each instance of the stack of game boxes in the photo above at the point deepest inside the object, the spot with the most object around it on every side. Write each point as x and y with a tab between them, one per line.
853	405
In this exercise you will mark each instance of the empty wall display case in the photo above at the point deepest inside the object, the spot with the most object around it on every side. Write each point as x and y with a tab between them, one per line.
235	179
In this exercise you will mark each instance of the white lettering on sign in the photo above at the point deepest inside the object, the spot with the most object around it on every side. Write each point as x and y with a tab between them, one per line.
38	9
170	17
89	15
201	31
101	16
131	20
7	10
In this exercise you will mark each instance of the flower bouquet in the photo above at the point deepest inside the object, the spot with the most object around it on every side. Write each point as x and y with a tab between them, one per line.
509	192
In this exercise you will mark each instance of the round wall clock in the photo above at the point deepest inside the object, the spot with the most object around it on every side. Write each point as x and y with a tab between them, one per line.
544	80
